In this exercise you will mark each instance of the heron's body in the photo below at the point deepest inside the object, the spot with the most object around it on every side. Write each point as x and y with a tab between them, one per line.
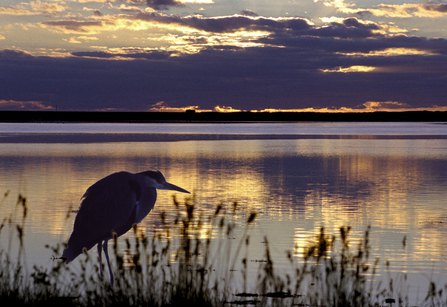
112	205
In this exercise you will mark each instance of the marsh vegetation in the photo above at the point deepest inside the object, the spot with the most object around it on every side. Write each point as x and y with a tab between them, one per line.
178	263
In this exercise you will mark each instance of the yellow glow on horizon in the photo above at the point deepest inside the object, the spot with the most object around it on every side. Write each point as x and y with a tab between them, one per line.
367	107
225	109
162	107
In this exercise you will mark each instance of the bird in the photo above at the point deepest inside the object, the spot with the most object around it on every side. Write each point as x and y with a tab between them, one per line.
111	206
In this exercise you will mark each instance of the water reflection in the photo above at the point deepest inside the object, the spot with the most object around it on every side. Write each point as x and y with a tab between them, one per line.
296	186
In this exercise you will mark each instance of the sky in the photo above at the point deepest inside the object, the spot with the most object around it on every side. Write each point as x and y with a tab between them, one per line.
223	55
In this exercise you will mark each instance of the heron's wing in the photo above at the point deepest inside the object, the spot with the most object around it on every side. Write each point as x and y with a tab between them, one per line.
108	206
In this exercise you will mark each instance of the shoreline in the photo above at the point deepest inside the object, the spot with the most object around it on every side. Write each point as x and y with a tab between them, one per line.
49	137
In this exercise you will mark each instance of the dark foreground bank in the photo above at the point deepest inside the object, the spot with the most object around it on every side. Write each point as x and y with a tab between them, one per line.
191	116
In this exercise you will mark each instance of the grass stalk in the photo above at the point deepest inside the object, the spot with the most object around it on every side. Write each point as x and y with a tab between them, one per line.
180	263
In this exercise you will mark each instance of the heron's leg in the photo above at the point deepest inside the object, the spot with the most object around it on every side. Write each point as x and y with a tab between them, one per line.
106	252
100	257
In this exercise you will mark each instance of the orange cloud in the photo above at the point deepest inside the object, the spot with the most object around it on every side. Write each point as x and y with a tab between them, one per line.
23	105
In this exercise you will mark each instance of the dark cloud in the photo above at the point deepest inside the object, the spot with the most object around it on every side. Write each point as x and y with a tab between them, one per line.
250	78
249	13
292	26
437	7
134	2
73	25
129	54
163	4
355	23
8	53
226	24
97	13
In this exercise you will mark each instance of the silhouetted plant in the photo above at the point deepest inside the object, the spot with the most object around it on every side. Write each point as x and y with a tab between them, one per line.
180	264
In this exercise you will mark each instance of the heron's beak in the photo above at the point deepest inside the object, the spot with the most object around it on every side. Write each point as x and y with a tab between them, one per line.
170	186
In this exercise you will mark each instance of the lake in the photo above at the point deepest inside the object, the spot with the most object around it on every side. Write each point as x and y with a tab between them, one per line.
298	177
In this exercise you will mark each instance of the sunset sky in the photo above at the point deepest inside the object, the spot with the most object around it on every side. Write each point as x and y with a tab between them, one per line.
223	55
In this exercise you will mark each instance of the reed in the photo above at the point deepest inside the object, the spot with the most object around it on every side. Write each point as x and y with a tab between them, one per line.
180	264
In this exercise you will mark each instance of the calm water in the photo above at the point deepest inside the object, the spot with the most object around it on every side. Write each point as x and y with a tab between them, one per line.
298	177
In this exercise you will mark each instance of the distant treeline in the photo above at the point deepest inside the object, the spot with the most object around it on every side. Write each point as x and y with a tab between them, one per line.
191	116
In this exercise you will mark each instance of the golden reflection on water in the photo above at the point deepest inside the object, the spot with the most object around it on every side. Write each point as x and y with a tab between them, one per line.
296	186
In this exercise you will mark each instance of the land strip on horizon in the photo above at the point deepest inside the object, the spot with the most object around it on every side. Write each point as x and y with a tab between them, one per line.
197	117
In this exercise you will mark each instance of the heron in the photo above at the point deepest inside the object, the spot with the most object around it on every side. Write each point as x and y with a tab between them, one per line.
113	205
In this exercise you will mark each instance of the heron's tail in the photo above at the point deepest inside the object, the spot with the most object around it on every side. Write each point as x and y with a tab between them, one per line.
75	248
71	252
76	245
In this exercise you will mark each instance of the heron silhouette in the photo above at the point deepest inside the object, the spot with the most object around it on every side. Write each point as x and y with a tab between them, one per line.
112	205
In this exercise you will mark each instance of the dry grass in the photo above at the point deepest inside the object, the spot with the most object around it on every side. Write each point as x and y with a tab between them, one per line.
180	265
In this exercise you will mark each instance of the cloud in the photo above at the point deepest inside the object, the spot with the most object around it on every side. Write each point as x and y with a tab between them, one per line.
163	4
11	105
75	26
96	12
72	40
166	4
10	53
244	26
48	7
88	38
226	109
248	12
161	106
125	53
227	63
134	2
367	107
380	105
256	26
34	8
342	38
405	10
98	1
437	7
222	24
16	10
198	1
354	68
245	79
77	40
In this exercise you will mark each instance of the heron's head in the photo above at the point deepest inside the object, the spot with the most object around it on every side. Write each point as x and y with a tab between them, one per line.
155	179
